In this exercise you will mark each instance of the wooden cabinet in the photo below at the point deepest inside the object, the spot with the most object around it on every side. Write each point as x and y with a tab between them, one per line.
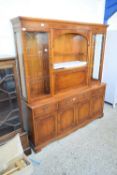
10	104
60	67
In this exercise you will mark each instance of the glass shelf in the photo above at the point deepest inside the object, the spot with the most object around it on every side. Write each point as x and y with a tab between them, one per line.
70	64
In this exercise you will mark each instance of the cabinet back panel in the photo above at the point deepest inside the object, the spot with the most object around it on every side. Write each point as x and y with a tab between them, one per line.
70	47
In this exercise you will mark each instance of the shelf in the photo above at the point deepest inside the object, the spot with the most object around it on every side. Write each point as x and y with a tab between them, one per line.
69	65
70	54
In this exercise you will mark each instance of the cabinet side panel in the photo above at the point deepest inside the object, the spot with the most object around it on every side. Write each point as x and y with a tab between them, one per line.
20	63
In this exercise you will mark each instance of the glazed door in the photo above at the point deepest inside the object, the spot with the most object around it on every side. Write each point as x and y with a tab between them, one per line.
9	107
98	42
36	59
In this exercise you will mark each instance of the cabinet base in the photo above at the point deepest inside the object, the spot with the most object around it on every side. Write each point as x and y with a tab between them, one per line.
39	147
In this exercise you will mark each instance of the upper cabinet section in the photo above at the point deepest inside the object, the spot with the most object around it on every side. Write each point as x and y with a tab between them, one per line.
55	56
70	59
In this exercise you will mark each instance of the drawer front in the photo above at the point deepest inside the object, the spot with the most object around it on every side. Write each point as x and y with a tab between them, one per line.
98	92
67	102
45	109
34	26
84	96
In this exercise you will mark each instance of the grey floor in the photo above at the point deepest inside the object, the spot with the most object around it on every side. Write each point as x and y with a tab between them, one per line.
92	150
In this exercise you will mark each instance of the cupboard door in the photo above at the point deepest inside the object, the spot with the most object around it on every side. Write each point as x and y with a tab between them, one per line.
83	111
97	101
97	105
45	128
66	119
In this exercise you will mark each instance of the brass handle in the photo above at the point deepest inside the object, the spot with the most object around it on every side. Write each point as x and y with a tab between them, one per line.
74	99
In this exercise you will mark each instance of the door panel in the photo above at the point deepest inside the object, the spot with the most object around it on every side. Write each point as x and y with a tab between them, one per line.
45	128
97	105
66	119
83	111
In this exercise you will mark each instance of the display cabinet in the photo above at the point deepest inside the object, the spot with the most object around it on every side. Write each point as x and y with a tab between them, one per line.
60	67
10	106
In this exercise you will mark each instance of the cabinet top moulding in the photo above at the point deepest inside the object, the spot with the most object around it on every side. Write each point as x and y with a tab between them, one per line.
31	23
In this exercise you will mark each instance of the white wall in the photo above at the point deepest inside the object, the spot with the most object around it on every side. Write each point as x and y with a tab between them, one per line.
110	61
75	10
112	22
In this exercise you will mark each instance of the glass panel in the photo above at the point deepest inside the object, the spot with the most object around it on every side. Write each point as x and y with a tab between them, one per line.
70	50
21	64
38	63
9	111
97	40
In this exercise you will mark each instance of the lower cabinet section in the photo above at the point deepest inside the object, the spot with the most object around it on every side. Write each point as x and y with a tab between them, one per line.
65	115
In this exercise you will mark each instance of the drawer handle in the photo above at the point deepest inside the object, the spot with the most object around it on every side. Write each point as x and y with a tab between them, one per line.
23	29
42	24
74	99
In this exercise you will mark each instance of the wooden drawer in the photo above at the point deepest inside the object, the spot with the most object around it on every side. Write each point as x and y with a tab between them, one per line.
31	26
45	109
84	96
67	102
98	92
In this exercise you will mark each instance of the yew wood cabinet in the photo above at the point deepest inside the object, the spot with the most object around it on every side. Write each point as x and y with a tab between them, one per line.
60	67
